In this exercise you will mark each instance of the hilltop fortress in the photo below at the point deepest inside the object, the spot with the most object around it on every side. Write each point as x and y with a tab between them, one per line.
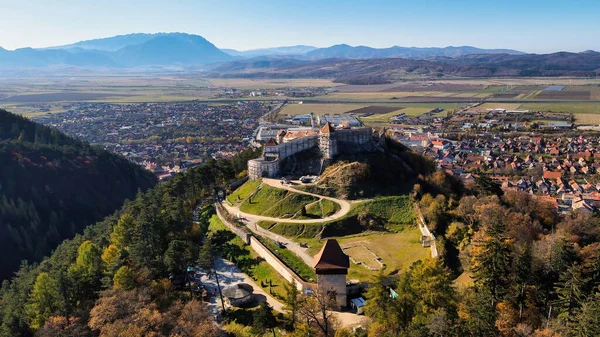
328	140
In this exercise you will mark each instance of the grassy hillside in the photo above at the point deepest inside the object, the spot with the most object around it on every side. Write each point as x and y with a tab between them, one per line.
52	186
386	214
270	201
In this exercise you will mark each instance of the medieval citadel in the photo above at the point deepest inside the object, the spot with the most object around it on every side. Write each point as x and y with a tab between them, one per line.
329	141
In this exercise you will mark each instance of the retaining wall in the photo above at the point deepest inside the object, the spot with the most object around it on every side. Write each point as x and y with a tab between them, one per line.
265	253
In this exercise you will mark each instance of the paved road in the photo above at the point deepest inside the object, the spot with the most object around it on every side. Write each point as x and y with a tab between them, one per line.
230	274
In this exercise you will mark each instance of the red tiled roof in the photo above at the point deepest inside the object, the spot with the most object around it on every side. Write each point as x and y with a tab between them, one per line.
552	175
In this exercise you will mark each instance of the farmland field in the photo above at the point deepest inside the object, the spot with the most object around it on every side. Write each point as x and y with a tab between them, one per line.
587	118
574	95
301	109
385	96
243	83
575	107
507	106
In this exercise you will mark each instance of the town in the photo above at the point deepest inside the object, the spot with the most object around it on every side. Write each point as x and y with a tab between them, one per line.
165	138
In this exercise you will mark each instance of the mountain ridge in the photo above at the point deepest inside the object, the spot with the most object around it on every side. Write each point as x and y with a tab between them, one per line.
189	50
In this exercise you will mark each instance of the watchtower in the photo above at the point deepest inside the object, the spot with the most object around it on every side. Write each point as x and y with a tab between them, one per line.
331	266
328	141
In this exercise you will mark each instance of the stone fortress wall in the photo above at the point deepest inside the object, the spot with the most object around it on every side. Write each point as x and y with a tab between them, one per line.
329	143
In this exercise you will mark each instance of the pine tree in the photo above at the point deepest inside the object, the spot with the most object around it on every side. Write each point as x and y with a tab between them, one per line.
121	235
569	293
263	319
491	265
123	278
44	301
206	259
292	300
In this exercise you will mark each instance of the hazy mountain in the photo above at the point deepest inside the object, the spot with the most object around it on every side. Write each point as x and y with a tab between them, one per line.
177	48
363	52
111	43
164	49
289	50
36	58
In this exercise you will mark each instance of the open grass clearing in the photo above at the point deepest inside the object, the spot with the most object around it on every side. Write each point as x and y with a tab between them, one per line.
396	250
362	255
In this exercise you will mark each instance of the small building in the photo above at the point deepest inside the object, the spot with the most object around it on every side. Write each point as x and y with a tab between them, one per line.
357	305
238	294
331	266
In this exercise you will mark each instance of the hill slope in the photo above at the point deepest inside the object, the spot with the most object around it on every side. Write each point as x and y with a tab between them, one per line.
53	186
392	69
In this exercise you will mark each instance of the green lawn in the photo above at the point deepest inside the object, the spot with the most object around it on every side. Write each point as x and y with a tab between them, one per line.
396	250
275	202
243	192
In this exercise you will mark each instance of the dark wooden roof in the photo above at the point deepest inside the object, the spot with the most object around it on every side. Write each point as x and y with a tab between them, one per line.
331	257
271	142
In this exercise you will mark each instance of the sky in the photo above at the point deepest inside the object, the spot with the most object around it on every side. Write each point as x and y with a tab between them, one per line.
535	26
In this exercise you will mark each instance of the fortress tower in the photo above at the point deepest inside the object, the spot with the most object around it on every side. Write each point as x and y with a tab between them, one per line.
328	141
331	266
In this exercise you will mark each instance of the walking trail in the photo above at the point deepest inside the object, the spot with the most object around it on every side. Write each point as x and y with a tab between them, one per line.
251	220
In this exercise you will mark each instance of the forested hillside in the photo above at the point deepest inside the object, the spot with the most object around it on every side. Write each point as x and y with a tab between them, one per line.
113	279
53	186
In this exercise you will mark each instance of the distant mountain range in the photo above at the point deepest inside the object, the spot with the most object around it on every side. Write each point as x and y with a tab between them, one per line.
180	51
186	50
386	70
291	50
345	51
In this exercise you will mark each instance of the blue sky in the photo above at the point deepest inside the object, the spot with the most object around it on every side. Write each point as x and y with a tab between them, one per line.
528	25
